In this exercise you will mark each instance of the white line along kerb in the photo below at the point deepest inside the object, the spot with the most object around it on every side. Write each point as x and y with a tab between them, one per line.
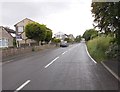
23	85
114	74
89	55
51	62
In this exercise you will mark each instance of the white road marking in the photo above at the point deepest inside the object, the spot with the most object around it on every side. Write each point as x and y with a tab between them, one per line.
115	75
89	55
51	62
23	85
64	52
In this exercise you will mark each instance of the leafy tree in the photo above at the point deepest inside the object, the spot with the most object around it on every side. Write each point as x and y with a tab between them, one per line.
89	34
48	35
43	32
107	17
68	40
78	38
35	31
56	41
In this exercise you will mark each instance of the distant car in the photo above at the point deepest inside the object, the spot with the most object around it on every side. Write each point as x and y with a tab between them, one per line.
64	44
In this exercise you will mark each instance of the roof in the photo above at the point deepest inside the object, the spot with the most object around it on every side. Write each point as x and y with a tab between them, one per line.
59	33
23	20
8	30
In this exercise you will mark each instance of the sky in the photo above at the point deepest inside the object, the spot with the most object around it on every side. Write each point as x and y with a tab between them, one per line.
67	16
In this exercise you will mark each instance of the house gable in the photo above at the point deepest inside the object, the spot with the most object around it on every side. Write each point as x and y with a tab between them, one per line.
6	35
24	22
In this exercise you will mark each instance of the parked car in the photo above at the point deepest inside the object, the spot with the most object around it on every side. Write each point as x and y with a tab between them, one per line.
64	44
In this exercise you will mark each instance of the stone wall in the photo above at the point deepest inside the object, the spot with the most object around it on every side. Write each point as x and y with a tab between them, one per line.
15	51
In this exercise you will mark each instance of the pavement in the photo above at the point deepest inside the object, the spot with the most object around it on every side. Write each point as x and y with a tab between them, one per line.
113	65
68	68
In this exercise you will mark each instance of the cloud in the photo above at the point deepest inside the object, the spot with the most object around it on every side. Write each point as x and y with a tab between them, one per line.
13	11
68	16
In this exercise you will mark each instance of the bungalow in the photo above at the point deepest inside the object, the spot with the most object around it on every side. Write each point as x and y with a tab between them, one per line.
21	38
6	39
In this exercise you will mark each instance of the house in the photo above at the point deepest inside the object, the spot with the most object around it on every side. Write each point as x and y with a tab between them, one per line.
60	35
21	38
70	36
6	39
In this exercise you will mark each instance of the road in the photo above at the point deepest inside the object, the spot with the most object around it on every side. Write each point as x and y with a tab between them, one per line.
68	68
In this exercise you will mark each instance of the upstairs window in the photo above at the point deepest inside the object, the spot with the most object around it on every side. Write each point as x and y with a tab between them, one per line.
20	29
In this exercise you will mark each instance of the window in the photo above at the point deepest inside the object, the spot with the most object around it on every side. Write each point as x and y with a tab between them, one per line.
20	29
18	37
3	42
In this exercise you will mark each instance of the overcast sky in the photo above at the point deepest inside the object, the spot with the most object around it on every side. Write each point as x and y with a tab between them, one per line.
68	16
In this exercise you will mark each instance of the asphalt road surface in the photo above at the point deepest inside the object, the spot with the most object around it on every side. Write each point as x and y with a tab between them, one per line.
68	68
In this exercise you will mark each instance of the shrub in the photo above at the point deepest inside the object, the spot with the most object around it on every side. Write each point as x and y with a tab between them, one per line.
90	34
14	42
113	51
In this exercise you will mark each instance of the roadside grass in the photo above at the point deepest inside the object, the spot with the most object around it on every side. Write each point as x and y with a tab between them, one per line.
98	46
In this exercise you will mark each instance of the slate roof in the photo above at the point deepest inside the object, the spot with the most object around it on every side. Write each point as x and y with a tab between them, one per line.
9	30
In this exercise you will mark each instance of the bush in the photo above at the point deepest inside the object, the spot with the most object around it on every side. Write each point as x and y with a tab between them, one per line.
56	41
113	51
14	42
90	34
78	38
98	46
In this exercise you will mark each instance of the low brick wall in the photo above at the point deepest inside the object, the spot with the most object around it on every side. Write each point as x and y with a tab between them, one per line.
15	51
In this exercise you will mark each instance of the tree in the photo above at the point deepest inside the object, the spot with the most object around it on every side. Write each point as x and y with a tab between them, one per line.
35	31
68	40
78	38
48	35
89	34
107	17
56	41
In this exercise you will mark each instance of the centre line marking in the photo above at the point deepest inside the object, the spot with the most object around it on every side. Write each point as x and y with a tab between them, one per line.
51	62
23	85
64	52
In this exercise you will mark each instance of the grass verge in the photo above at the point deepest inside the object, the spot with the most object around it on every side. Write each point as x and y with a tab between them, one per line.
98	46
